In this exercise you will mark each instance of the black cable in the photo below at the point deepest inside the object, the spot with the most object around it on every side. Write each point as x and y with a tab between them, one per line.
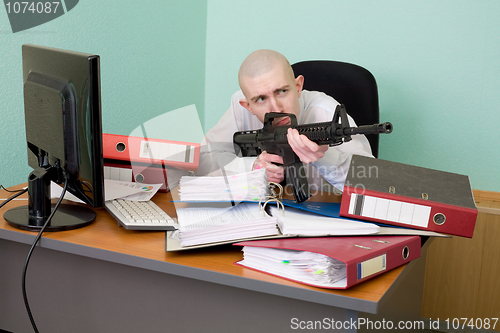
3	188
25	268
13	196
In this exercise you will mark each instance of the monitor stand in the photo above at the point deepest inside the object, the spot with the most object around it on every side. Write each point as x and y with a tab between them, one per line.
34	215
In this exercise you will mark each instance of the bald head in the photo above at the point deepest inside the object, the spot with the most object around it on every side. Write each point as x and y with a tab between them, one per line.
268	83
261	62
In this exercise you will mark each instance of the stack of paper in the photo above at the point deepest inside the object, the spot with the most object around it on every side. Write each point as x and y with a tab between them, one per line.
364	257
302	266
298	222
115	189
250	186
208	225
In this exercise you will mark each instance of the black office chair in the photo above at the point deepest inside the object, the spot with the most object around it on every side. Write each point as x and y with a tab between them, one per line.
349	84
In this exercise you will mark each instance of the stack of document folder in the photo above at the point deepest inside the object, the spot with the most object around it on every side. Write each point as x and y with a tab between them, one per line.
330	262
210	224
295	222
306	267
249	186
151	152
409	196
146	160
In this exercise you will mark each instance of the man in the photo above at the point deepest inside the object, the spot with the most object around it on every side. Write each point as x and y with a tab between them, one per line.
268	84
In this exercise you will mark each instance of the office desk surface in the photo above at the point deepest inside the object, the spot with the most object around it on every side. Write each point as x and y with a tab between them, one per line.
105	240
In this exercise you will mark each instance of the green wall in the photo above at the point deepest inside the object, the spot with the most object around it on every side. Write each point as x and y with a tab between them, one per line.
152	61
437	65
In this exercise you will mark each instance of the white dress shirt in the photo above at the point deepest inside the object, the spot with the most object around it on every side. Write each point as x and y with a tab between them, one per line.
218	149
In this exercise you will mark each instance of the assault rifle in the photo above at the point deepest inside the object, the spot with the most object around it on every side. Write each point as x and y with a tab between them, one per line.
274	141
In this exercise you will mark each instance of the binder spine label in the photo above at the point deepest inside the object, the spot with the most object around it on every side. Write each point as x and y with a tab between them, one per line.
389	210
166	151
115	173
372	266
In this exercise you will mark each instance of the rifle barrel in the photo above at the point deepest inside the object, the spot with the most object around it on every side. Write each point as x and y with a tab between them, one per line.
367	129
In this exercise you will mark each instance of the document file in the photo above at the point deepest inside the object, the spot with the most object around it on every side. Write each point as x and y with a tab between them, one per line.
175	154
410	196
357	258
136	173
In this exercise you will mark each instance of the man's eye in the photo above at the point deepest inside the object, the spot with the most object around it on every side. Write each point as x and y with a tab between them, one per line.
260	99
282	92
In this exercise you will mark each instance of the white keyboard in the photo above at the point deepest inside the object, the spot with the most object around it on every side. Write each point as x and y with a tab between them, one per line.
145	215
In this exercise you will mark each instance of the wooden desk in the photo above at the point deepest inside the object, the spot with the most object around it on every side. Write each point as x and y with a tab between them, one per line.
462	273
104	278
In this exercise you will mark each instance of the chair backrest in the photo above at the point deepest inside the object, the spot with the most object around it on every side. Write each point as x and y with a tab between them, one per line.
349	84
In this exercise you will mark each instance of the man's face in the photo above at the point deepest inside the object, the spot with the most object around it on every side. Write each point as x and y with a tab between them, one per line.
274	91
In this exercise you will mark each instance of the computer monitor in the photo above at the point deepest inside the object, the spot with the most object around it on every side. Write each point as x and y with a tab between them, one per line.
62	104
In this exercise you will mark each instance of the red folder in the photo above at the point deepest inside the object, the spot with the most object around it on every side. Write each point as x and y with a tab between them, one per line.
152	152
136	173
409	196
364	256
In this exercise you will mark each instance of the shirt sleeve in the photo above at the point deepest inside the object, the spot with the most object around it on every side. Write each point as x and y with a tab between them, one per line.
334	165
218	150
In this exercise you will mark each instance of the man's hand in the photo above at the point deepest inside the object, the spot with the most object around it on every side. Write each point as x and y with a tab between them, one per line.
305	149
275	173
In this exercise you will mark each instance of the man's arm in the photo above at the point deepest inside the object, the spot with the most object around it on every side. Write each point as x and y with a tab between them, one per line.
275	173
306	150
331	162
298	144
218	147
334	165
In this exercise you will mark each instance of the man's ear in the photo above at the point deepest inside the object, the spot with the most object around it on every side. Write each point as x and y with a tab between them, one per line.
299	84
244	103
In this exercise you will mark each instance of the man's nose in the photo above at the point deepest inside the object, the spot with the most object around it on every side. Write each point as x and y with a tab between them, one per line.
275	105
